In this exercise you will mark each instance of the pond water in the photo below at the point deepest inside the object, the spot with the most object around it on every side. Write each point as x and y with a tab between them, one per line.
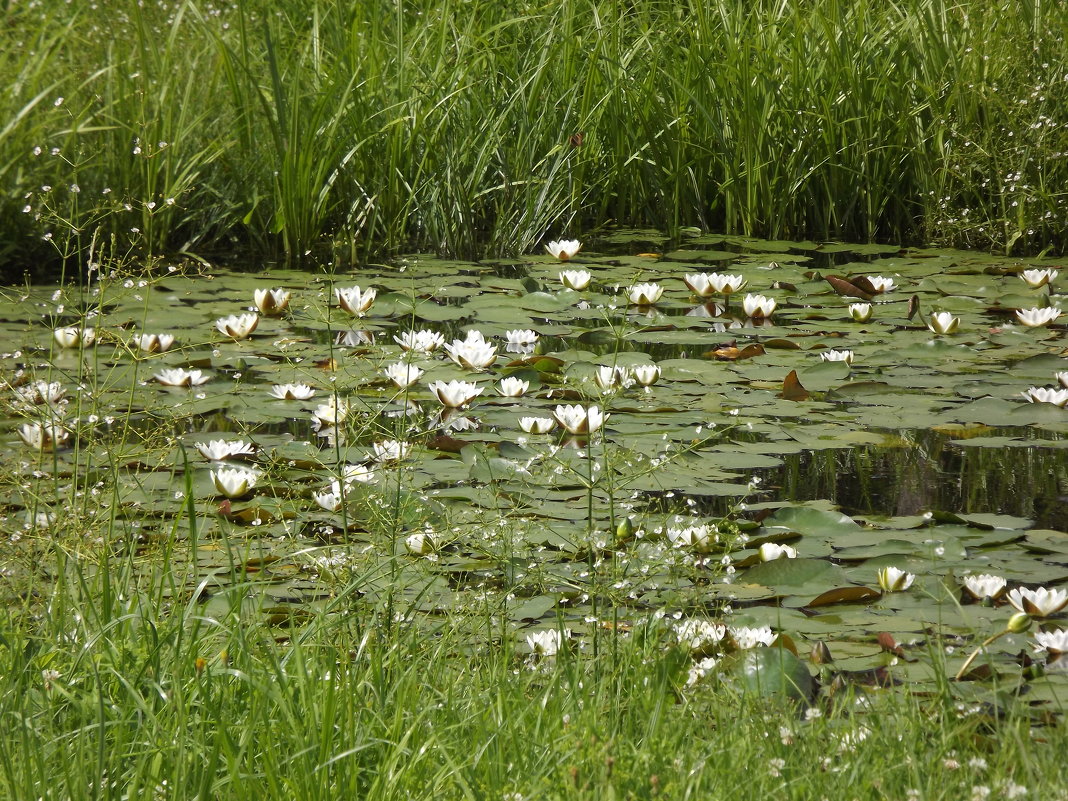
921	453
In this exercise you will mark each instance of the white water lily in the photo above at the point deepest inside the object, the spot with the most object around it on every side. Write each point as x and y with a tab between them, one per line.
218	450
746	637
861	312
153	343
272	302
837	356
421	543
645	294
1038	316
472	354
943	323
454	394
521	336
575	279
1062	378
881	283
40	393
403	374
537	425
1054	643
579	419
233	482
758	306
178	377
1058	396
1038	603
609	377
43	436
893	579
330	500
563	249
420	341
391	450
699	635
707	284
357	473
984	585
354	300
329	414
1038	278
701	538
770	551
646	374
72	337
238	326
546	643
355	338
513	387
292	392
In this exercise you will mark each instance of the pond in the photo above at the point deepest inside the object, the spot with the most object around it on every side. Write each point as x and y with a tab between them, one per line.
885	410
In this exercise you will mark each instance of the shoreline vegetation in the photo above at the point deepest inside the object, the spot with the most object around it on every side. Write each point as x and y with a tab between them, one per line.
328	132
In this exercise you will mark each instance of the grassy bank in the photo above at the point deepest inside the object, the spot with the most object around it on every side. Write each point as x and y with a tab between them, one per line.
338	129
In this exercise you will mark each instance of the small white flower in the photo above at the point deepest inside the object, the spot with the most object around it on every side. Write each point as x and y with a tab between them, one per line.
521	336
746	637
43	436
563	249
218	450
1054	643
758	306
272	302
454	394
391	450
1038	278
861	312
837	356
943	323
292	392
579	420
177	377
537	425
422	543
646	374
238	326
354	300
546	643
880	283
575	279
420	341
513	387
1039	603
403	374
893	579
233	482
645	294
1058	396
71	337
153	343
984	585
1038	316
770	551
699	635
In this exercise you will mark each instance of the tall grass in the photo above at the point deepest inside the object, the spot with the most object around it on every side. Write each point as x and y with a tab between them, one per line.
330	131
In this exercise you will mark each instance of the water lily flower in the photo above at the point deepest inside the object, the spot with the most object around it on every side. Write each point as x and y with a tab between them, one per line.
984	585
177	377
746	637
233	482
575	279
699	635
880	283
292	392
1058	396
421	543
707	284
272	302
1032	318
758	306
1038	603
609	377
837	356
546	643
861	312
331	413
892	579
455	394
403	374
646	374
701	538
354	300
1062	378
391	450
71	337
1038	278
770	551
563	249
943	323
330	500
40	393
420	341
238	326
355	338
153	343
472	354
1054	643
645	294
578	419
43	436
358	473
521	336
537	425
218	450
513	387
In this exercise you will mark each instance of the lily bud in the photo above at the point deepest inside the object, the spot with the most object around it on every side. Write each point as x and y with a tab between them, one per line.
1018	623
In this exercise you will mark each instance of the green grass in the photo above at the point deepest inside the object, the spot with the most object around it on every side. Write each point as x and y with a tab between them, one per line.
327	131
